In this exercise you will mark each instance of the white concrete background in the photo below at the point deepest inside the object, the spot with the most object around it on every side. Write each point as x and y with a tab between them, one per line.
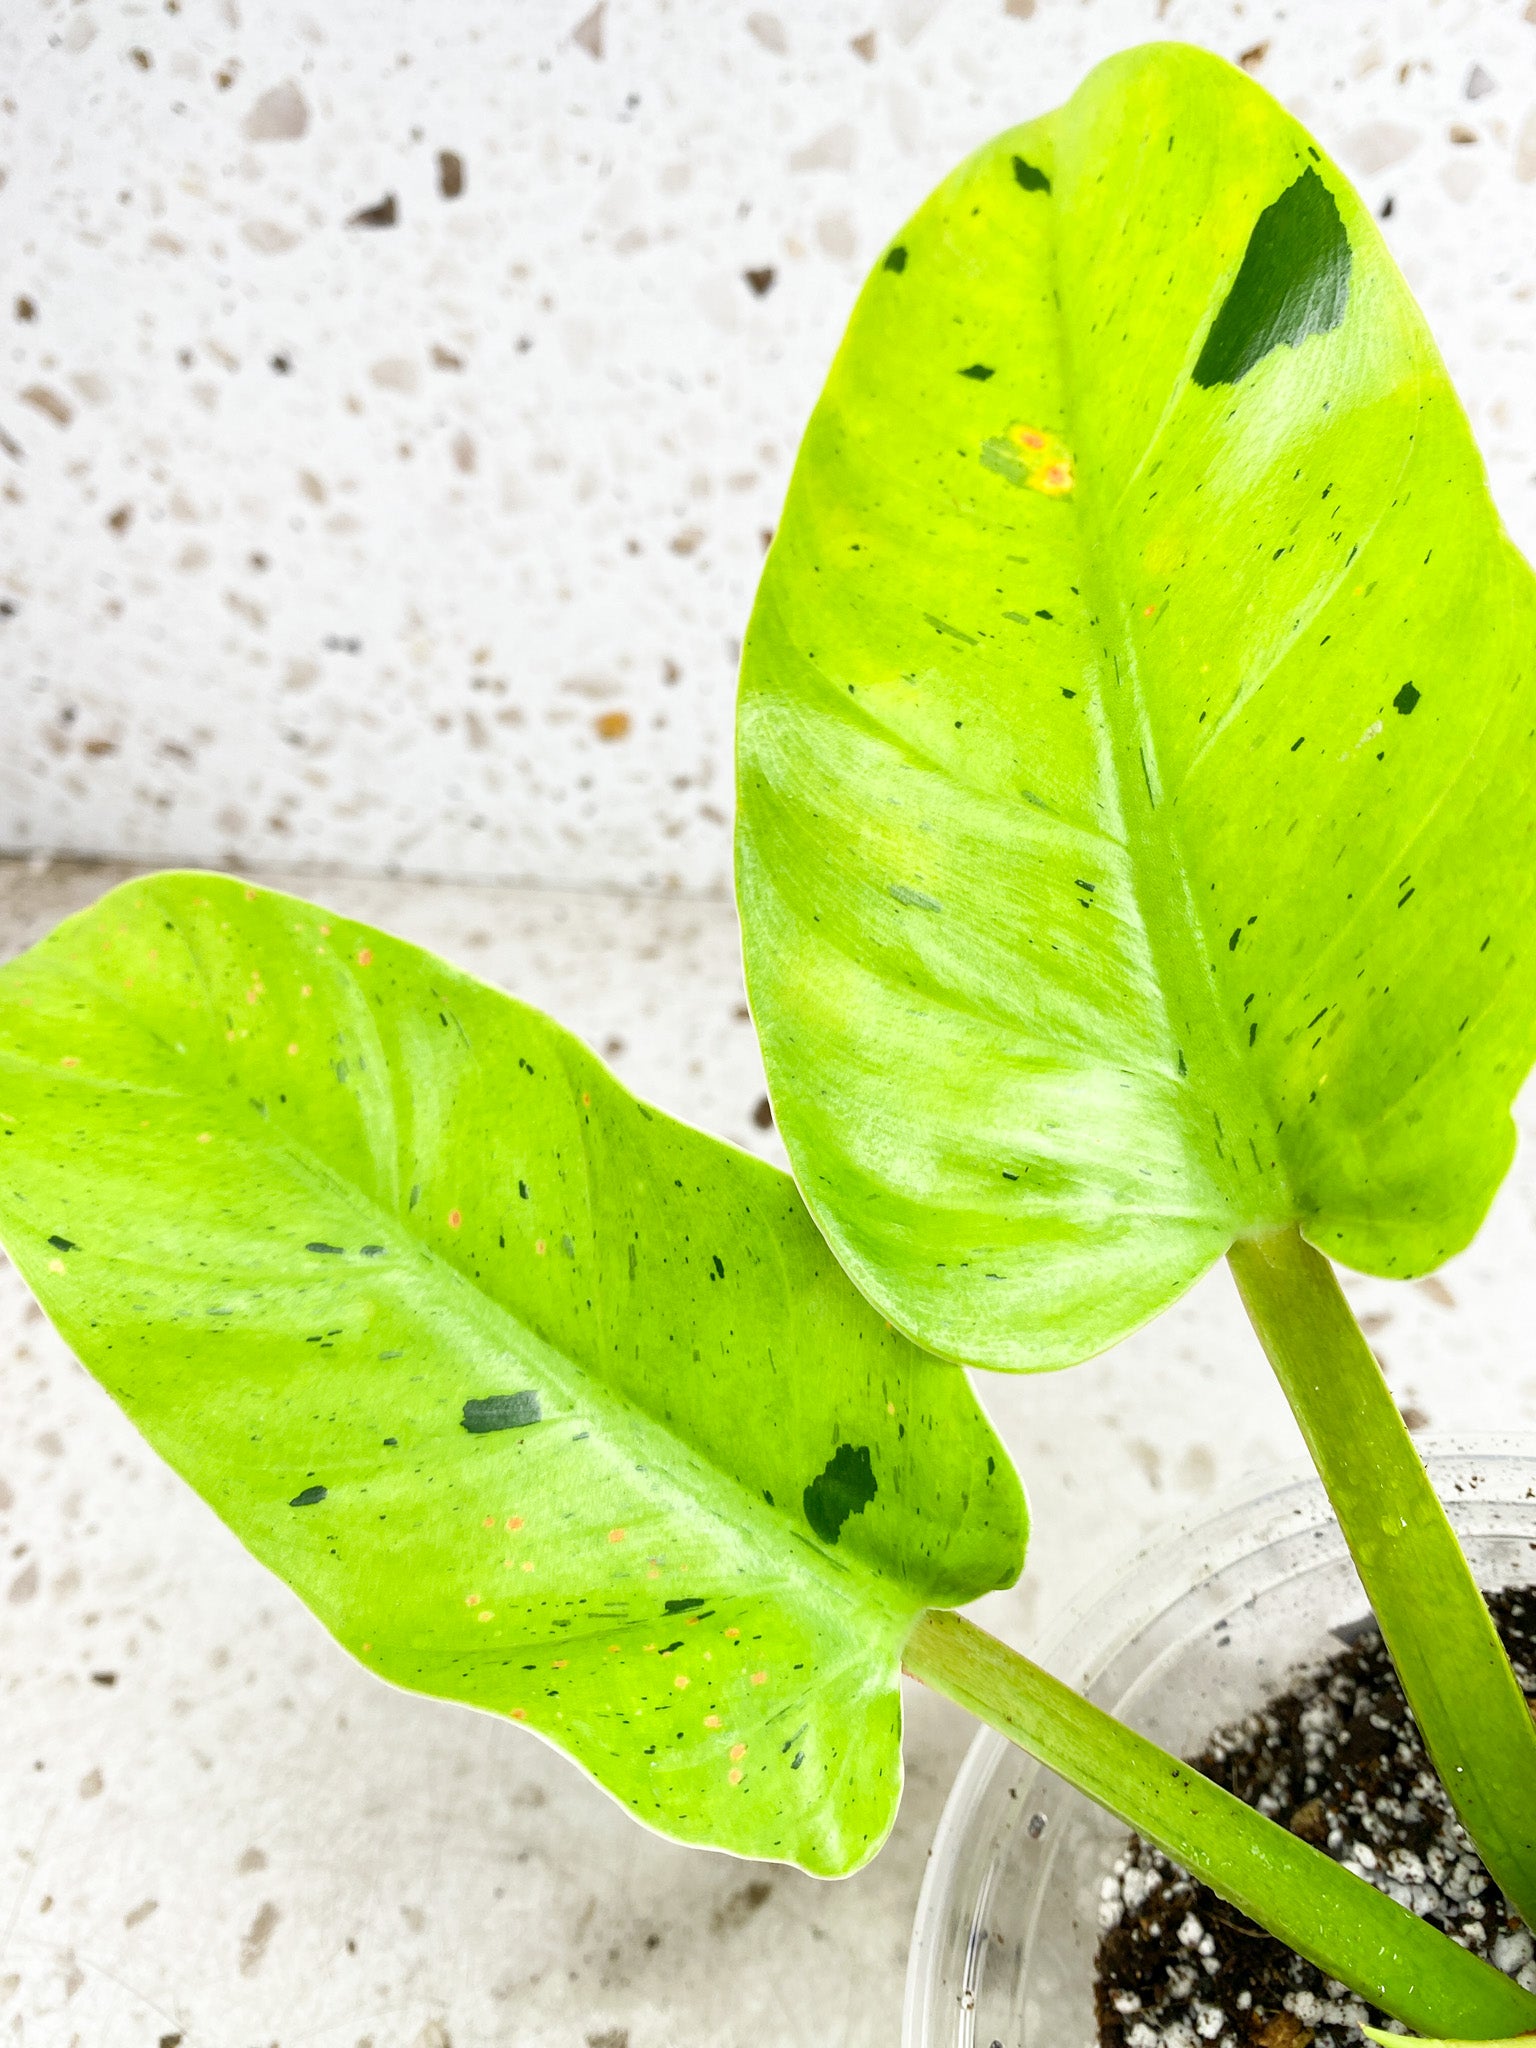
367	613
349	545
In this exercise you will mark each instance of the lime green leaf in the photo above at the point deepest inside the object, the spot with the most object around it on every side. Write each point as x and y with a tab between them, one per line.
1137	740
1415	2041
540	1400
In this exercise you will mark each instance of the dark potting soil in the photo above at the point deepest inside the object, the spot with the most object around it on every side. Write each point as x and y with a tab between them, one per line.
1339	1761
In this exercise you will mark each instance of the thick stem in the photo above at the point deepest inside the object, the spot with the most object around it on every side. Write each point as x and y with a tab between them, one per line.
1327	1914
1465	1698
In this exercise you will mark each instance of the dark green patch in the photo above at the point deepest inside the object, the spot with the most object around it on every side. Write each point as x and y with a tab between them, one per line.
681	1606
502	1411
845	1488
309	1497
1404	701
1293	281
980	371
895	259
1030	177
333	1249
63	1244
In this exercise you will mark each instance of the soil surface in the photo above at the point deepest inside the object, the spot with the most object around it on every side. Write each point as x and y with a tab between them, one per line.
1339	1761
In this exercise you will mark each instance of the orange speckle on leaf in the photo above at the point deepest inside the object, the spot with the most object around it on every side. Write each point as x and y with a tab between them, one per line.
734	1776
305	989
293	1052
69	1060
489	1522
617	1535
366	1648
539	1246
454	1219
1147	610
586	1098
559	1664
518	1714
325	931
471	1599
654	1572
759	1678
205	1137
514	1523
250	895
1053	481
711	1720
682	1681
738	1751
528	1567
488	1615
613	1649
733	1634
364	956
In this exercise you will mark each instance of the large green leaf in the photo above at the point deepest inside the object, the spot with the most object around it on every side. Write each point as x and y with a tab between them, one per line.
1137	767
540	1400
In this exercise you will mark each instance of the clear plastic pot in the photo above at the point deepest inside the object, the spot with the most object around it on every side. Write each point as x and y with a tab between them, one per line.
1201	1628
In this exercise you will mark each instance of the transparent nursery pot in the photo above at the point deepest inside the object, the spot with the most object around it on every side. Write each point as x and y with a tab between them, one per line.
1203	1627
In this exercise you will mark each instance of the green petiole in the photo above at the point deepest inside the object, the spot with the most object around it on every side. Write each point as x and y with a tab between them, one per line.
1327	1914
1465	1697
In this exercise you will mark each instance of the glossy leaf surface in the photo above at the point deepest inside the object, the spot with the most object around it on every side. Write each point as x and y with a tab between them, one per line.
1137	772
542	1401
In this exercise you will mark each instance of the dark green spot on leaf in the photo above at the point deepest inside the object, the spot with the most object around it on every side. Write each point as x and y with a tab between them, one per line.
846	1487
309	1497
1031	178
1293	281
502	1411
1404	701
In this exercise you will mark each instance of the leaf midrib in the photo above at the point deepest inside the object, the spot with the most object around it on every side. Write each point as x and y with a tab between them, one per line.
1175	936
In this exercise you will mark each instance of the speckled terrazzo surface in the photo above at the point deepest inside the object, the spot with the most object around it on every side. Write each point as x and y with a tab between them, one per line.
426	543
396	397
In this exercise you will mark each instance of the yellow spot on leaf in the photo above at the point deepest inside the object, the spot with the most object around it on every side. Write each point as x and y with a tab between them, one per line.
305	989
617	1535
514	1523
732	1634
711	1720
518	1714
293	1052
890	1407
654	1572
559	1664
471	1599
1044	458
649	1649
364	957
250	895
738	1751
489	1522
455	1218
682	1681
734	1776
325	931
539	1246
489	1615
69	1060
205	1137
528	1567
55	1265
759	1678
